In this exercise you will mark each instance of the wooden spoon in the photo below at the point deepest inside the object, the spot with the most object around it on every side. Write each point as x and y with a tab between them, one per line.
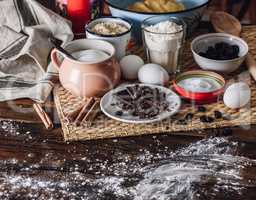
225	23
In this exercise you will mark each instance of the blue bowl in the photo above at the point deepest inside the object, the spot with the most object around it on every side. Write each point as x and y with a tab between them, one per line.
191	16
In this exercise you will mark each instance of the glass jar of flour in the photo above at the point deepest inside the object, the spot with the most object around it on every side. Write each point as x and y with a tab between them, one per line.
163	39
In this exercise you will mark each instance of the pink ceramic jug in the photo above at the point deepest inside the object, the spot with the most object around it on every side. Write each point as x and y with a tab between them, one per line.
94	74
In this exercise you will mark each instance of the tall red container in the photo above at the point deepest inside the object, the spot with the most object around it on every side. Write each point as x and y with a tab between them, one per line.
79	12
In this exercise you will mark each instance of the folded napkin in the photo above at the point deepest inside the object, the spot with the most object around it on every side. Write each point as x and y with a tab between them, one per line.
25	26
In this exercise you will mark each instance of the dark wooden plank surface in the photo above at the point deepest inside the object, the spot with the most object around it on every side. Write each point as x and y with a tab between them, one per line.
37	164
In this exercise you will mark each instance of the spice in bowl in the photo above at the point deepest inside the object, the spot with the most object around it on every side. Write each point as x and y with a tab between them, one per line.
115	30
109	28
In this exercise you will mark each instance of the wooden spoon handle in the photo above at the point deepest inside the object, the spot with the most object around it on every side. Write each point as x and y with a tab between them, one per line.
251	64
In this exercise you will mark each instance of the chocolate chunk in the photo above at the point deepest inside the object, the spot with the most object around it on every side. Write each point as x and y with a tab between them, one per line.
122	93
132	92
142	101
119	113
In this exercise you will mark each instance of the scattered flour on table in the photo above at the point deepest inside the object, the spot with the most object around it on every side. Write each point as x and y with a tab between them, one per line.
10	127
15	129
209	166
208	161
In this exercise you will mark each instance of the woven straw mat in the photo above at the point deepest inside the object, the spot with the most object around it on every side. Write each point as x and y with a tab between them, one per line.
104	127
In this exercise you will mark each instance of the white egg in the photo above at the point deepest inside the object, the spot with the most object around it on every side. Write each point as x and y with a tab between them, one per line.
237	95
130	66
153	74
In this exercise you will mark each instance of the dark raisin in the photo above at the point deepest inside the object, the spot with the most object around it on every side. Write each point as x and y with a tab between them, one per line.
217	114
189	116
202	54
230	53
201	109
119	113
210	51
206	119
182	122
220	46
227	132
235	49
221	51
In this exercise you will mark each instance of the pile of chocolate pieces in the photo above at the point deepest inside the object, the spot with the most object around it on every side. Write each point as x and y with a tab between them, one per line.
139	101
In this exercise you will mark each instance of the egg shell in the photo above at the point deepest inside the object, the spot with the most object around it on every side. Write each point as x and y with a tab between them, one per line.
130	66
153	74
237	95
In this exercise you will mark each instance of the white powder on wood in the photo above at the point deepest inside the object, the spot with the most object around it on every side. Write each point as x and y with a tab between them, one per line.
182	174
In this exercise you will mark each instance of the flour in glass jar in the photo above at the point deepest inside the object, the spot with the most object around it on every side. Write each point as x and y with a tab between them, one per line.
163	42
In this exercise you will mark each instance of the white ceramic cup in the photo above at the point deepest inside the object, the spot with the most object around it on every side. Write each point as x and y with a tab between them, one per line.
120	41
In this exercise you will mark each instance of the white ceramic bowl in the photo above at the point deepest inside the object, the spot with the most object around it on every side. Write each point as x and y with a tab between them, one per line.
120	41
201	44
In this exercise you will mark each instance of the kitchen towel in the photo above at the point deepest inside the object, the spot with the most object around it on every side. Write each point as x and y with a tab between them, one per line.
25	69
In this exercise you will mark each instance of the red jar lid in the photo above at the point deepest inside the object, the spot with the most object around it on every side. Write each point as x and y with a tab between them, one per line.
199	86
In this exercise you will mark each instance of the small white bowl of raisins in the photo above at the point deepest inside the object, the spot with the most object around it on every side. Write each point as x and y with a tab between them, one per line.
219	52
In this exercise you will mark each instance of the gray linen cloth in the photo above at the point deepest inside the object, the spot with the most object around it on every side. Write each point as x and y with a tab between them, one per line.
25	26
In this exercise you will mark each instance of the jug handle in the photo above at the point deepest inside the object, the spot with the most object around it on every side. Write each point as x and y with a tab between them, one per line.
54	58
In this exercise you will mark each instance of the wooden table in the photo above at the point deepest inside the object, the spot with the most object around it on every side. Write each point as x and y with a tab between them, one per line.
37	164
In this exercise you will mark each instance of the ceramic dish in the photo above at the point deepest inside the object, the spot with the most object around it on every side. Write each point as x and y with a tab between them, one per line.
201	43
120	41
100	69
200	86
191	15
109	109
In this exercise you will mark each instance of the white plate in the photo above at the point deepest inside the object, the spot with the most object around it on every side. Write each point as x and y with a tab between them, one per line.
110	110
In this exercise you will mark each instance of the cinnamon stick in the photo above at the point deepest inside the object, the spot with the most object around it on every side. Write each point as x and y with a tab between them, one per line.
73	115
91	114
43	116
84	111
